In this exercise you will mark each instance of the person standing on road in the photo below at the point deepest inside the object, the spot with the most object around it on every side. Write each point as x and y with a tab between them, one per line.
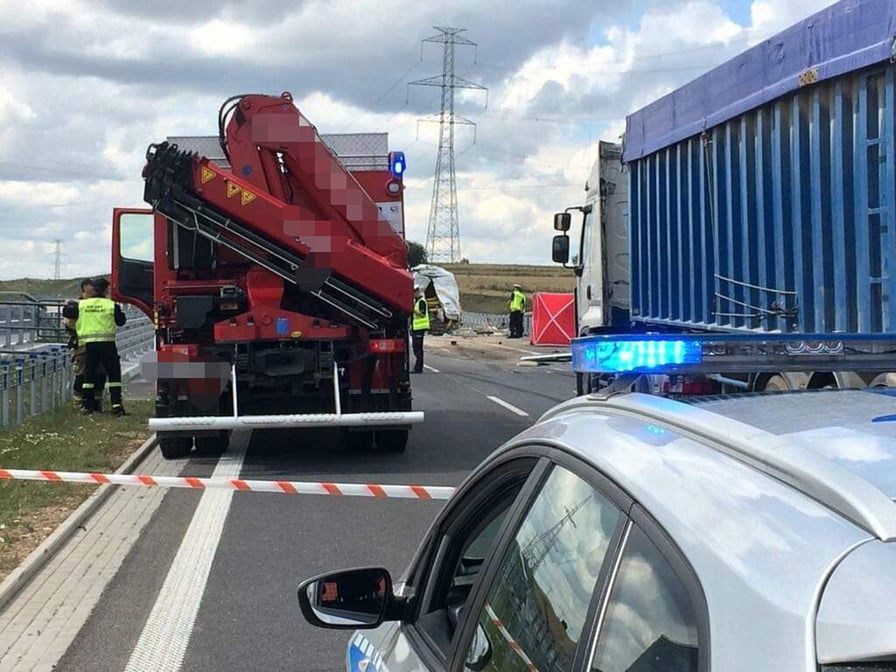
77	349
96	320
517	306
419	326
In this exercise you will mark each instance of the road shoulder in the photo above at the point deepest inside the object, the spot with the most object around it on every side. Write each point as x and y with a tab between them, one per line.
41	621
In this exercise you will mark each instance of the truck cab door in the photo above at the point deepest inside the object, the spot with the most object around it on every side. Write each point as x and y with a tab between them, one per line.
590	285
133	251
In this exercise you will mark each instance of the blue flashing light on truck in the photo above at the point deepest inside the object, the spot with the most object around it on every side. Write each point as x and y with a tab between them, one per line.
759	198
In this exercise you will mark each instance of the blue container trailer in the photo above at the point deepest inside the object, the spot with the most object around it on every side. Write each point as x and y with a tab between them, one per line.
759	197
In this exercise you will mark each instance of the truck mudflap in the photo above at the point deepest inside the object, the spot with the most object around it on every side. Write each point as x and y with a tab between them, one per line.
368	420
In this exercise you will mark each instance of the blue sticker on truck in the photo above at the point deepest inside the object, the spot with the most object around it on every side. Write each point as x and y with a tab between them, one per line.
363	656
282	326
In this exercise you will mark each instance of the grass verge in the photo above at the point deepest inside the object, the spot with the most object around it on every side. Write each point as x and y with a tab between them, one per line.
62	440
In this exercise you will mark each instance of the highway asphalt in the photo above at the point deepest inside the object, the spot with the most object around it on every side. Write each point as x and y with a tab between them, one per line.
212	586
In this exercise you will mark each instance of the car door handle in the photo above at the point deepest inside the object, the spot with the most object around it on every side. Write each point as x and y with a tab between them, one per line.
588	292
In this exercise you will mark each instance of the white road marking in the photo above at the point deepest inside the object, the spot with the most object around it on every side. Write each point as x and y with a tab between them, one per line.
509	407
430	368
166	634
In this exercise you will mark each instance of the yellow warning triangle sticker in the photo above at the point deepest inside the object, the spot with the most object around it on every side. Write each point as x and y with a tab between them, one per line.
207	174
232	189
247	197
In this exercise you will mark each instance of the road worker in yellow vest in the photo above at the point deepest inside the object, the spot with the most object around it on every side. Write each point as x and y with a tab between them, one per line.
77	351
517	306
96	319
419	326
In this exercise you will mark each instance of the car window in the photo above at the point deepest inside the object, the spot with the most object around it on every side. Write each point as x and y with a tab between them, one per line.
475	550
464	547
650	623
537	606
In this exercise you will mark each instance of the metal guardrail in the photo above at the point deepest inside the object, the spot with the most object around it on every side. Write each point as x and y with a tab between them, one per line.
136	336
33	382
26	320
494	321
36	372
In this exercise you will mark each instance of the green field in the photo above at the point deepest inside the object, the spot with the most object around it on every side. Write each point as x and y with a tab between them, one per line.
42	288
485	288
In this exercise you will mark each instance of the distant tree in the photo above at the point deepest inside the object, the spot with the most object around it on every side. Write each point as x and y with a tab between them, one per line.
416	254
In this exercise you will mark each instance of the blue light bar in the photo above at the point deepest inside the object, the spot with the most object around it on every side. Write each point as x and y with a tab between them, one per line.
733	352
397	164
624	356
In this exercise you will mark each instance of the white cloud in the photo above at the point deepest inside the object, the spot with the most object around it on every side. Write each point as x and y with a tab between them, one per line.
85	87
771	16
220	38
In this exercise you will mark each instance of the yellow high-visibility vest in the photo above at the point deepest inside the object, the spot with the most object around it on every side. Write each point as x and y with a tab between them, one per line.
421	315
517	301
96	320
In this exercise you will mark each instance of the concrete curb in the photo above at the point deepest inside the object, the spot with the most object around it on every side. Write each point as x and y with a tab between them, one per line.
25	572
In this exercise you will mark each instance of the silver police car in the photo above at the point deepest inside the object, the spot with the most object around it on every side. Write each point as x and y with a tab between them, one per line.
637	533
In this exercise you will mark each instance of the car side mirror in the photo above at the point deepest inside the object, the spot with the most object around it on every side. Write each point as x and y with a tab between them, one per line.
560	249
480	652
562	221
349	599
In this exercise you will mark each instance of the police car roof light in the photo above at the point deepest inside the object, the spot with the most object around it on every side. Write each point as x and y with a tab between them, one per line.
732	353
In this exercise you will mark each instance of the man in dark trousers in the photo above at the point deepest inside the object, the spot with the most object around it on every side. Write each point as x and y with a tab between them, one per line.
419	326
87	291
96	320
517	306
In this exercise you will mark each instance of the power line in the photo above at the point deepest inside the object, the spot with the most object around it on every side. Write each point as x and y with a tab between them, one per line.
56	169
443	232
387	92
640	57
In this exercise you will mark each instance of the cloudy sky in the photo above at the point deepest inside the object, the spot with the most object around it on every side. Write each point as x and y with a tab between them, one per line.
86	85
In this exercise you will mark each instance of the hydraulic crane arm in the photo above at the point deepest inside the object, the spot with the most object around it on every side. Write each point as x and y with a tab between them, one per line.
270	144
289	206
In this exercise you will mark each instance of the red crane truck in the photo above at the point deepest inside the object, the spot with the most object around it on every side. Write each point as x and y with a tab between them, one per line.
276	275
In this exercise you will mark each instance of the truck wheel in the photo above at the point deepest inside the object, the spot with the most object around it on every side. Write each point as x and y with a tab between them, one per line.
175	447
214	444
785	382
392	441
358	442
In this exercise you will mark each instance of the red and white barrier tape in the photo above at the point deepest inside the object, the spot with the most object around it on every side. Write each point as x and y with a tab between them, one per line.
511	642
280	487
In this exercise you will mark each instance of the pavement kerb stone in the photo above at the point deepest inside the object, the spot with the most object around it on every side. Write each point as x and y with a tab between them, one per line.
22	575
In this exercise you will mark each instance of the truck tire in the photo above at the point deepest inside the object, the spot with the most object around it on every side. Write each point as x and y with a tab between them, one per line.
392	440
884	380
213	444
357	442
175	447
784	382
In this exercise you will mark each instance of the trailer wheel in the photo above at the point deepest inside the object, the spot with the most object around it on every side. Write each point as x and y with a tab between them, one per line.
213	444
784	382
175	447
884	380
358	442
392	440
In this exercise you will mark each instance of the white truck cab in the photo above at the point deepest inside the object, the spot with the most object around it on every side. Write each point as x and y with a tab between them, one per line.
602	261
